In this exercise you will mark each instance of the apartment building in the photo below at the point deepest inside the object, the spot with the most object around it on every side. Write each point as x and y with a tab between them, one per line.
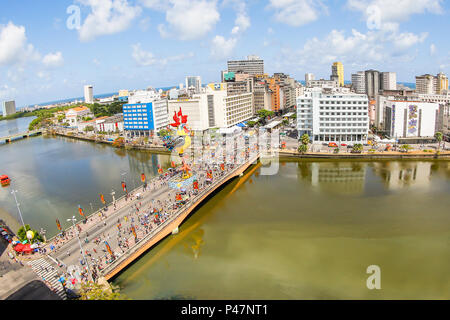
333	116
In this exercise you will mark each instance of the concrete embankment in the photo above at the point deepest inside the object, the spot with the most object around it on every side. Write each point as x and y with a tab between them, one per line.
369	156
157	149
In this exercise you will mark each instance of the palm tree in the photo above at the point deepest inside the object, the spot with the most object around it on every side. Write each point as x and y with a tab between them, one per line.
305	139
439	137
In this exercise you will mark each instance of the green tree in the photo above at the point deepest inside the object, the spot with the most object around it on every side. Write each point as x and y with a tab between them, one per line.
405	148
22	234
89	128
439	136
305	139
303	148
94	291
251	124
357	148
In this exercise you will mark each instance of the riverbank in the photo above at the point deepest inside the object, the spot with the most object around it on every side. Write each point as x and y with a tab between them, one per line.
388	155
157	149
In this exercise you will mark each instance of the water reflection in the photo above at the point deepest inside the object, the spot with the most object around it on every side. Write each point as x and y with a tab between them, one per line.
398	175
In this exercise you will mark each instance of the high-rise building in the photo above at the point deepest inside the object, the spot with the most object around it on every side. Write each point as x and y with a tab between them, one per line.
337	73
333	116
309	77
359	82
372	78
194	83
88	94
426	84
389	81
254	65
442	83
142	118
8	108
405	119
214	108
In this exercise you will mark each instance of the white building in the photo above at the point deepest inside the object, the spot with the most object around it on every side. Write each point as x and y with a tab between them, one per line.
75	115
389	80
405	119
214	108
322	83
8	108
110	124
194	83
309	77
143	96
333	116
359	82
88	94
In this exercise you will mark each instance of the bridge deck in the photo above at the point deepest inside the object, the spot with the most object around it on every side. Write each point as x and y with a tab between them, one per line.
171	224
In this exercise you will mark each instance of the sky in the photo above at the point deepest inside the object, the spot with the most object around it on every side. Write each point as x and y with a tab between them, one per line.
50	49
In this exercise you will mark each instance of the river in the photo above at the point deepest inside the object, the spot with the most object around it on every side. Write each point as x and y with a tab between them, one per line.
308	232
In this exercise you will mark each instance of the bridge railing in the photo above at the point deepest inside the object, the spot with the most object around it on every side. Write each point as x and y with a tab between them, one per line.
172	218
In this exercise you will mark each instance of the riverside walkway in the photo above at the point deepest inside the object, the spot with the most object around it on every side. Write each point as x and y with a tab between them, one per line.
18	136
132	216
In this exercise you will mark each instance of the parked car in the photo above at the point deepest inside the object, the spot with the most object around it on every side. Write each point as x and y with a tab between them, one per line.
349	146
332	145
343	145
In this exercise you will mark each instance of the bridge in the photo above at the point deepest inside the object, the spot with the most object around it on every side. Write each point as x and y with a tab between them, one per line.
19	136
169	226
104	224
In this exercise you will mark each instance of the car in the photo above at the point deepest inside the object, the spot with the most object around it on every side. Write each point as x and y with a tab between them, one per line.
343	145
325	144
332	145
349	146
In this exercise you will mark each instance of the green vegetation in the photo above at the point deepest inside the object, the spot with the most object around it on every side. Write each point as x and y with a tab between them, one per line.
89	128
303	148
22	234
17	115
94	291
405	148
251	124
336	150
163	133
305	141
357	148
108	110
439	136
44	116
285	122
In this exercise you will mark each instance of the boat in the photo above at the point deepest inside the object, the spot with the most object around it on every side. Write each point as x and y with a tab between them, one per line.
4	180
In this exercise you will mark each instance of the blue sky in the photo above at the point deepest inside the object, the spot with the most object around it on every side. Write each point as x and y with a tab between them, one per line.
132	44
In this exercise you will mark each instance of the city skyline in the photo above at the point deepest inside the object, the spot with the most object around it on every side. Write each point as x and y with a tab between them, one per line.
125	44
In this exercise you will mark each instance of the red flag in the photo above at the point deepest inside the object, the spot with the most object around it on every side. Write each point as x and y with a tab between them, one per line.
58	224
81	211
222	166
196	185
143	178
134	231
109	248
102	198
124	186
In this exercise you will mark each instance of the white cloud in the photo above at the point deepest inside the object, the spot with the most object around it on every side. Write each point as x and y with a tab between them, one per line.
13	45
242	21
432	49
186	19
145	58
7	92
53	59
388	11
297	12
357	49
222	48
107	17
